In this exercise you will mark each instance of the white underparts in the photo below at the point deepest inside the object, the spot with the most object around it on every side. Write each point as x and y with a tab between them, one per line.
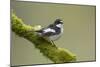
55	37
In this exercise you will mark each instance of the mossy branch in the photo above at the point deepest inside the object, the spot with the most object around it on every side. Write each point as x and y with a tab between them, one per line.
57	55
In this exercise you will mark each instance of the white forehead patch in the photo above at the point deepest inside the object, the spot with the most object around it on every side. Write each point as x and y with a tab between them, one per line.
49	30
59	25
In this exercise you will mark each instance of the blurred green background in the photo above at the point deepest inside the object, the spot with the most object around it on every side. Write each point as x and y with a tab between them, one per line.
78	36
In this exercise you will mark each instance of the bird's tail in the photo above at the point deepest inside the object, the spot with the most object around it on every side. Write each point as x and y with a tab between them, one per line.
39	32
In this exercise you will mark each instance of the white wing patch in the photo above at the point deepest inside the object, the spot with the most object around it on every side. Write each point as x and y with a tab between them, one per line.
49	30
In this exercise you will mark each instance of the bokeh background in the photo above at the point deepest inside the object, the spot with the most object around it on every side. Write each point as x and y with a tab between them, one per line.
78	37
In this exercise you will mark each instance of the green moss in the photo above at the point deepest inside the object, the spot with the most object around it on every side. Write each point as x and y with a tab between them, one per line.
57	55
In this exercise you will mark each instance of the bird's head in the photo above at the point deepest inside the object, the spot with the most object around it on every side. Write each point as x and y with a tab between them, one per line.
58	23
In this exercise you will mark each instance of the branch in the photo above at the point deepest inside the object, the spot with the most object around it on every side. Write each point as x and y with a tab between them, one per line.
57	55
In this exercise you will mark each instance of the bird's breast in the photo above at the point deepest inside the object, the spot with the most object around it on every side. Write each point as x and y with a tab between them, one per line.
55	37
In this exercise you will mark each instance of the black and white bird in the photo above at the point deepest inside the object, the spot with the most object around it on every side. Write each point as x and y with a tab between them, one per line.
53	31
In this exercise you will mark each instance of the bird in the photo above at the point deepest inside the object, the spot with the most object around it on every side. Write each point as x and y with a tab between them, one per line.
53	31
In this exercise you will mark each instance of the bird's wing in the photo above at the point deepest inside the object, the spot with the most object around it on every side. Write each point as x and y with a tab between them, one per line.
48	32
45	28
